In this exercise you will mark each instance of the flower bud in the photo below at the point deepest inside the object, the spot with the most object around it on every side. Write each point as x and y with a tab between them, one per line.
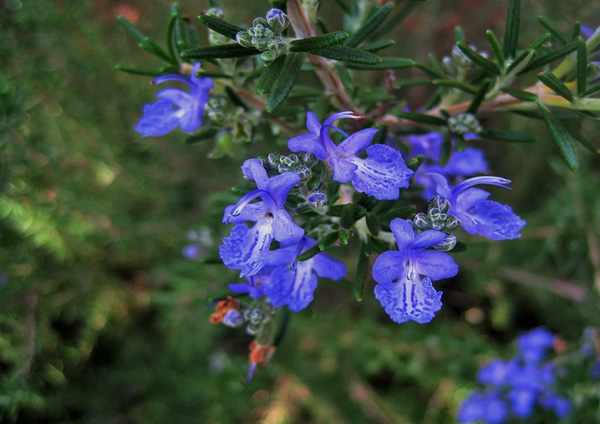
309	159
277	20
233	318
259	22
436	215
274	159
452	222
440	203
463	124
303	172
244	39
317	199
447	245
215	12
422	221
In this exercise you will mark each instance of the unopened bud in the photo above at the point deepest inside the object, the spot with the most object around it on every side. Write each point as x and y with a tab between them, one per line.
422	221
447	244
463	124
440	203
233	318
215	12
243	39
452	222
317	199
277	20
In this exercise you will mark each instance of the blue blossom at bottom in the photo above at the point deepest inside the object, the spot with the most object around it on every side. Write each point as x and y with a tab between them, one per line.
176	108
514	388
404	276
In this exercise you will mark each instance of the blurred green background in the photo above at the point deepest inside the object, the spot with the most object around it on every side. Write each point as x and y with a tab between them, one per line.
103	321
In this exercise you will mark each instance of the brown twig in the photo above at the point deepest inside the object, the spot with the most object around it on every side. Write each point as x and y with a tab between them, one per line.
330	79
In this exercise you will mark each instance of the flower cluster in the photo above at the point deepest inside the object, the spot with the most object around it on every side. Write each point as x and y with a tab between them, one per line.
516	387
265	35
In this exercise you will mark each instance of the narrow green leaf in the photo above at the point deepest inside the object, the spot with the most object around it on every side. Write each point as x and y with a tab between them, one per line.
235	99
434	68
269	75
525	96
171	37
495	47
561	137
328	240
479	97
347	54
284	83
556	85
460	85
204	135
153	48
371	24
398	213
310	253
540	41
344	237
179	32
582	63
422	118
132	29
459	35
343	6
386	63
345	77
552	29
192	33
506	136
522	60
478	59
446	149
550	57
362	271
373	224
336	210
593	89
347	218
412	81
584	142
511	31
375	46
394	20
225	51
576	31
318	42
222	27
136	71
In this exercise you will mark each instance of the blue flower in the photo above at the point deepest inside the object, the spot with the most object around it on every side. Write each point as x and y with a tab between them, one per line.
478	215
402	291
488	407
246	248
176	108
495	373
522	401
535	344
293	285
380	175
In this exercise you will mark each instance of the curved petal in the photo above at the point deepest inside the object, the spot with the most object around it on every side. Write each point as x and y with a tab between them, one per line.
428	145
435	265
285	230
389	267
312	123
427	239
441	185
327	267
382	174
282	256
279	186
246	248
308	143
294	288
159	119
348	114
469	198
468	162
494	221
343	170
403	232
254	170
357	142
179	98
251	212
409	300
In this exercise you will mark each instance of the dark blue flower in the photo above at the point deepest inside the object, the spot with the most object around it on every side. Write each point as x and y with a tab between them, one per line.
404	276
293	284
477	214
495	373
487	407
535	344
380	175
246	248
522	401
176	108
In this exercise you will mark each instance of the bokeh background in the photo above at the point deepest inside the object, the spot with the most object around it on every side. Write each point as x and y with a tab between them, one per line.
102	320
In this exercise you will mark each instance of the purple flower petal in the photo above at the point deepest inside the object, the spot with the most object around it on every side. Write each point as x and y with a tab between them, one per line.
285	230
159	119
254	170
293	288
327	267
407	299
308	143
246	248
279	186
382	174
492	220
435	265
357	142
389	267
427	239
403	233
312	123
343	170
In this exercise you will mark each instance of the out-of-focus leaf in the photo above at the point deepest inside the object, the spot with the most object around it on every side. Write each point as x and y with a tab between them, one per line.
372	23
561	137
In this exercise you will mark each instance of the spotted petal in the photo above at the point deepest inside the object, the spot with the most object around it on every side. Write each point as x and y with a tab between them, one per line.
246	248
389	267
492	220
293	288
382	174
407	299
